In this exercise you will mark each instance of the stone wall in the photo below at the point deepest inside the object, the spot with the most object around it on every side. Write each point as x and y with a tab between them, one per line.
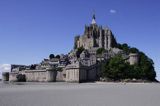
61	76
92	73
13	76
82	74
35	75
40	75
72	75
78	73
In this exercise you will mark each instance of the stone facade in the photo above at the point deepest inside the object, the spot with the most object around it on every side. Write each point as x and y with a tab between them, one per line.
40	75
79	73
13	76
95	37
35	76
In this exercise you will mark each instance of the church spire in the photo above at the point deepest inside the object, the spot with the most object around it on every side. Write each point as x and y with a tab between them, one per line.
93	19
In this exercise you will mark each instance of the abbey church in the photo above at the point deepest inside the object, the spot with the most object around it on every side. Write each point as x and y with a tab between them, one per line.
95	37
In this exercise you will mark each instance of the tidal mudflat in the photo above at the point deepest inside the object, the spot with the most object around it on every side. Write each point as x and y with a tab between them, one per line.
84	94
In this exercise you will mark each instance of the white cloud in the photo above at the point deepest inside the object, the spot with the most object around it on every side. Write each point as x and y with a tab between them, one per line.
112	11
4	68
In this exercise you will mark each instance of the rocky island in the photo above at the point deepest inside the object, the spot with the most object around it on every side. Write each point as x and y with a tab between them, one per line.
96	56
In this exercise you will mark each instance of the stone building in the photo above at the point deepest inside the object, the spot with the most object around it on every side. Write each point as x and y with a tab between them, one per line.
49	70
76	72
95	37
86	67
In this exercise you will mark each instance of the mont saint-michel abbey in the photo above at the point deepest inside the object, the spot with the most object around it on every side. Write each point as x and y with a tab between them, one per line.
95	37
81	64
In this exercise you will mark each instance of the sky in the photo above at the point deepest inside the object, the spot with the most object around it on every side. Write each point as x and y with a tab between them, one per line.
30	30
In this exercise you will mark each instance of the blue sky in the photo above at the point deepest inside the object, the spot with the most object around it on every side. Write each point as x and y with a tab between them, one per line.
32	29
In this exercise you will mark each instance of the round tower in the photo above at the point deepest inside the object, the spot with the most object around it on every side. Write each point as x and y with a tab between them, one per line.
5	76
133	58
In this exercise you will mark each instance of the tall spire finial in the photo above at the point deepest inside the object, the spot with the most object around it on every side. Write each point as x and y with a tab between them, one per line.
94	18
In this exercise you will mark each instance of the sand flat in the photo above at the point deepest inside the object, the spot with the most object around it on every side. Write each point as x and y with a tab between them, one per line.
85	94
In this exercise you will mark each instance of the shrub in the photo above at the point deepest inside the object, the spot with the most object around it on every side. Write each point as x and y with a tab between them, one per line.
100	51
21	78
79	51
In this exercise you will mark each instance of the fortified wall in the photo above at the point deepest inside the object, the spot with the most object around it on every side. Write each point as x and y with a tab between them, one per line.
35	76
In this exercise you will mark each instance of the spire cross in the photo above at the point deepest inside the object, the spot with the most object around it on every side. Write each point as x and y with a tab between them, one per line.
93	18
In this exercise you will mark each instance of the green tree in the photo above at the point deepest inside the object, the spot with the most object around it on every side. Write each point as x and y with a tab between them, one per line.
51	56
79	51
33	67
115	68
147	67
100	51
58	56
119	46
125	48
133	50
